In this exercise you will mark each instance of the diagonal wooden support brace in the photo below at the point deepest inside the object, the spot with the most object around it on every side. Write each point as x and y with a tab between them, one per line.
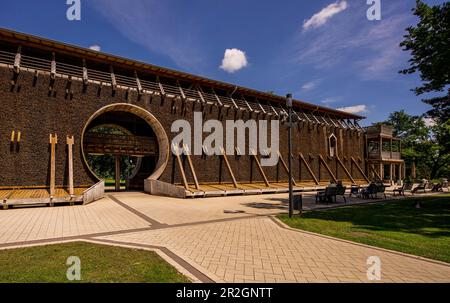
191	166
261	171
345	170
360	169
286	168
302	158
224	155
328	168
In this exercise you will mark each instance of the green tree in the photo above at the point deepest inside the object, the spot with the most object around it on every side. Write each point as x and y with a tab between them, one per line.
427	146
429	44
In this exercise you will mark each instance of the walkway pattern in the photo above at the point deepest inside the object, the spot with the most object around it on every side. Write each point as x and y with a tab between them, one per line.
246	246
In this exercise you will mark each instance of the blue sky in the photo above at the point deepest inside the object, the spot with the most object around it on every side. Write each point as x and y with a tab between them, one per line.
325	51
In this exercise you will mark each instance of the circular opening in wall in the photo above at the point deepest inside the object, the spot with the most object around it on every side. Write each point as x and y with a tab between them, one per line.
124	144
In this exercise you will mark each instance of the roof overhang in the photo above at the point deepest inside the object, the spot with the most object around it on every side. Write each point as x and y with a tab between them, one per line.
52	45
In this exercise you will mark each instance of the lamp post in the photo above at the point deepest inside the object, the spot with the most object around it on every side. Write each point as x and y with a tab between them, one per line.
289	106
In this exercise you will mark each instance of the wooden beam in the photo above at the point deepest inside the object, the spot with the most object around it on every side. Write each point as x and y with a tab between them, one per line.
375	172
161	88
138	83
328	168
17	60
85	73
113	79
345	169
224	155
191	166
360	169
70	142
286	168
53	67
261	171
183	96
53	142
180	166
309	169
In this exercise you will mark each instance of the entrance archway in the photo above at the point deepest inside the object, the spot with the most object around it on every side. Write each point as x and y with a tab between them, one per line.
125	143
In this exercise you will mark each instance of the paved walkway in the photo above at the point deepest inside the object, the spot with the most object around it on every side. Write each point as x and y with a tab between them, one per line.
243	244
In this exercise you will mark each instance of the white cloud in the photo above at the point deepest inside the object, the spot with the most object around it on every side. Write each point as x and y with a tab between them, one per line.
356	109
233	60
324	15
95	47
355	45
310	85
150	24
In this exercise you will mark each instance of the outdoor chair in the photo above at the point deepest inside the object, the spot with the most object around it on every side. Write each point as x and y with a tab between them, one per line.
400	190
380	188
327	195
340	191
369	191
354	190
421	186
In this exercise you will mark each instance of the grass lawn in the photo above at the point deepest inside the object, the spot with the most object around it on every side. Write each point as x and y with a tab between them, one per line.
395	225
99	263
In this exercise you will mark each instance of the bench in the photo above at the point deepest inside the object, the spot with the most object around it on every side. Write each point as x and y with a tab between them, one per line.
399	190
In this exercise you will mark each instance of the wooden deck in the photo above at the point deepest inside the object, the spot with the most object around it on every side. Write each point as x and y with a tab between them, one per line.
34	196
227	189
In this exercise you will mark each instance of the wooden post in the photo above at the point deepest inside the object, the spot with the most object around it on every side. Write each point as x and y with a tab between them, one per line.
70	142
53	142
117	173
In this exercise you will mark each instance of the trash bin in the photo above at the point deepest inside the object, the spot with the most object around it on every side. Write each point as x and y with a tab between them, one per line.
298	202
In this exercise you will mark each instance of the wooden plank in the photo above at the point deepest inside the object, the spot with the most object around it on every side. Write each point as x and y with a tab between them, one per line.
345	169
191	166
286	168
360	169
180	166
70	142
328	168
309	169
261	171
225	158
53	142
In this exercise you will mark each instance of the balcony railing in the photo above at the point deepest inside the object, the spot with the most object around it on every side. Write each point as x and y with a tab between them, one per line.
384	155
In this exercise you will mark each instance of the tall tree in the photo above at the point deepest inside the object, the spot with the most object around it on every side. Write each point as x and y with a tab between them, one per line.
426	145
429	44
